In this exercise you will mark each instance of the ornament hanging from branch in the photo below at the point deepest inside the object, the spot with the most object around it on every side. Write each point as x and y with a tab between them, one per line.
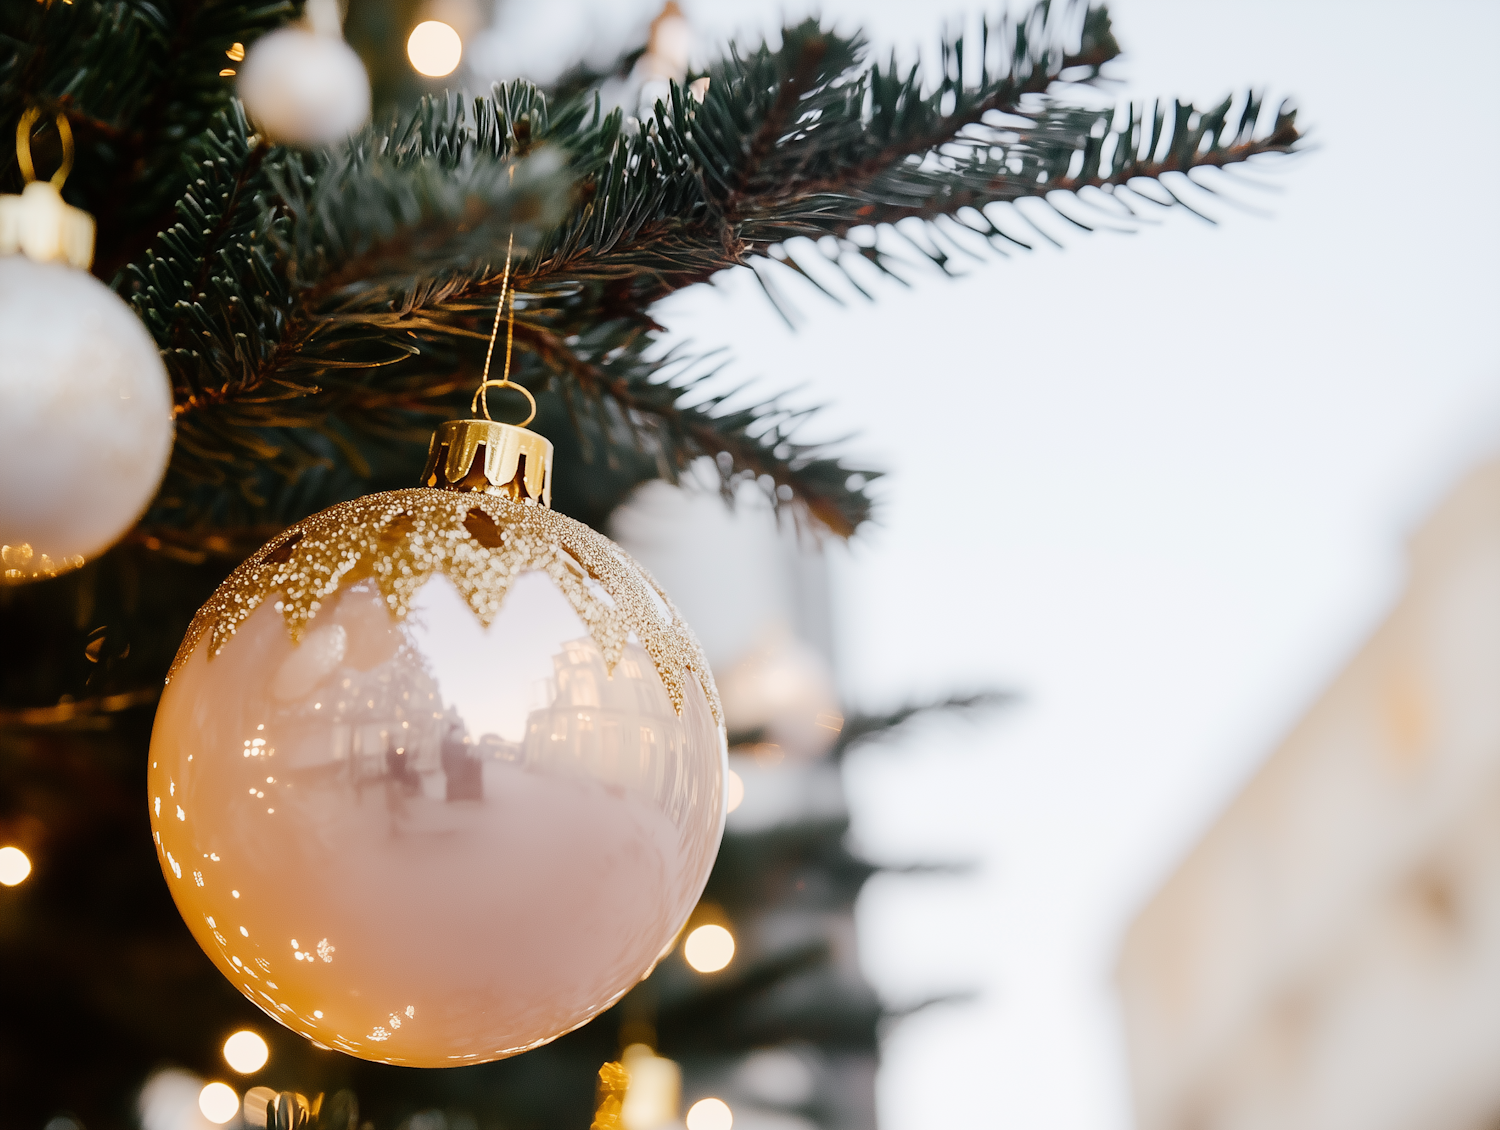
439	773
85	402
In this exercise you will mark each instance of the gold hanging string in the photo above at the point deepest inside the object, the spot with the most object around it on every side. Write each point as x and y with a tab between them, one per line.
481	402
23	146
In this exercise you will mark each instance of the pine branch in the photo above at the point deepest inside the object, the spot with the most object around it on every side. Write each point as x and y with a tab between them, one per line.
315	308
860	729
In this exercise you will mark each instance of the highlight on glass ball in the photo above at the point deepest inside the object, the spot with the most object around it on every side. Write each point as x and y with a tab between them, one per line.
439	777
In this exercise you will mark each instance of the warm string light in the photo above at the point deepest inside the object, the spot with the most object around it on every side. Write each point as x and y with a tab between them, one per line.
219	1103
734	791
434	49
709	949
14	866
246	1052
710	1114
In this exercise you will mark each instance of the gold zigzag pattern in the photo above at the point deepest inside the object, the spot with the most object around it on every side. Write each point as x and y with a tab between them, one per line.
480	542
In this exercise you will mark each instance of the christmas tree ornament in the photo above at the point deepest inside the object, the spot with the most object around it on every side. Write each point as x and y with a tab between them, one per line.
85	403
304	86
438	774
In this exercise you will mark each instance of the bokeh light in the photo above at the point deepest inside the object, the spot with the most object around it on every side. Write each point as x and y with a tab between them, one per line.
709	949
219	1103
734	790
710	1114
14	866
434	49
246	1052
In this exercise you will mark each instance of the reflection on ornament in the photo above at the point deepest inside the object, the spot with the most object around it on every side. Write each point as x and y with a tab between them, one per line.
79	375
305	86
783	695
438	774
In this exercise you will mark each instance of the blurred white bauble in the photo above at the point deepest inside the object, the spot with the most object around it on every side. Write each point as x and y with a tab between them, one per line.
169	1101
304	87
782	690
85	417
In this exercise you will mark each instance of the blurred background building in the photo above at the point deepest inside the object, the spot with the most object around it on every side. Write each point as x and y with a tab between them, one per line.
1328	956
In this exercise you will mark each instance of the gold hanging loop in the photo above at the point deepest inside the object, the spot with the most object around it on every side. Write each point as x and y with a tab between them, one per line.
23	146
480	401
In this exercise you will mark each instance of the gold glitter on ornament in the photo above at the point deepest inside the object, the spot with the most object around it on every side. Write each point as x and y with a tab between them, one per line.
481	543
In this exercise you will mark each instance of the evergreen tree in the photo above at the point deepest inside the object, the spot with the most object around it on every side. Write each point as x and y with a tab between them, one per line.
319	312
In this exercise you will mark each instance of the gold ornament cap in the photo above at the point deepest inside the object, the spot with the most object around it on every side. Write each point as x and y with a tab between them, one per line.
492	458
39	223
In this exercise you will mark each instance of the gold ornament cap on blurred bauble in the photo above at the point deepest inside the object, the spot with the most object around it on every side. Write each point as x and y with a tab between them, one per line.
39	223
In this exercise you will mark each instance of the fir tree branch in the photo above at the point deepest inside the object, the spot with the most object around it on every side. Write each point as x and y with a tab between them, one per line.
860	729
338	300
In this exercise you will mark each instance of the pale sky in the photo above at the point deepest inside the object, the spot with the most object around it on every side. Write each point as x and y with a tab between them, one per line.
1159	483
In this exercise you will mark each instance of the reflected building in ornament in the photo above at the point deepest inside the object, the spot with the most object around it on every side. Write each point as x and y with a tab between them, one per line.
364	869
1328	956
608	726
387	721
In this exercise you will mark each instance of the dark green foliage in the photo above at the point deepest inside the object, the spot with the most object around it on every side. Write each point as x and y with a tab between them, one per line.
317	306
